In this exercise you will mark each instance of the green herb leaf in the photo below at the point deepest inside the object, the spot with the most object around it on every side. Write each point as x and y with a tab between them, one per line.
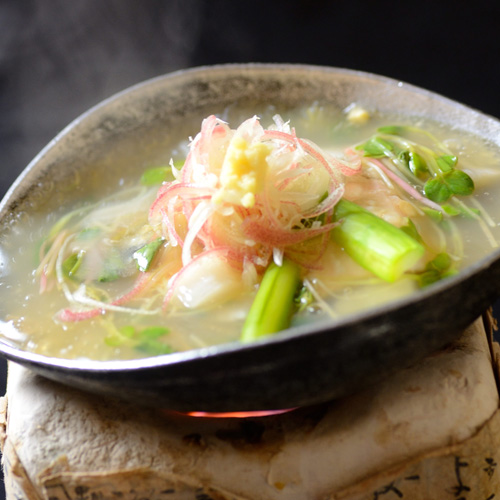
438	268
437	190
404	157
153	347
451	210
156	175
146	340
459	183
435	215
392	129
470	212
71	265
154	332
463	210
303	299
113	267
428	278
113	341
411	230
145	255
417	164
442	188
178	164
127	331
441	262
88	233
446	163
149	343
96	293
376	147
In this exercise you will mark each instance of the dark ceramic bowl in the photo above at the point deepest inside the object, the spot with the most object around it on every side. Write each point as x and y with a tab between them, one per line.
301	366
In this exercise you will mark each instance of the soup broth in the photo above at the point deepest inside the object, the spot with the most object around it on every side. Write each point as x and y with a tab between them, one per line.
169	259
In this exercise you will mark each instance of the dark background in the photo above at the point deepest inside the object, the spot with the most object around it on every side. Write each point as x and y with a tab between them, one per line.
59	57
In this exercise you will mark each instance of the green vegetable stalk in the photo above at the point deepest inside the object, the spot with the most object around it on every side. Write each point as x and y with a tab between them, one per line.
273	305
373	243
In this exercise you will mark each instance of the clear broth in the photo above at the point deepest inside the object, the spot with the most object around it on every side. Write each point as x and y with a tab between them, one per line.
28	316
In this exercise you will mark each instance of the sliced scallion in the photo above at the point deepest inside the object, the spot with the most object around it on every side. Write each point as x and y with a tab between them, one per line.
273	305
375	244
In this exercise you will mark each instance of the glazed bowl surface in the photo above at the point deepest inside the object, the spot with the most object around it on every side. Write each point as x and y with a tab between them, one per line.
303	365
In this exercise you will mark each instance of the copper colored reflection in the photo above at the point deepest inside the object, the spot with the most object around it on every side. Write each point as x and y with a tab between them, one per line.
235	414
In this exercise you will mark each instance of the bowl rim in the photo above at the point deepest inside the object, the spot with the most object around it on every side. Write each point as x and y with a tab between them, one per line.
95	366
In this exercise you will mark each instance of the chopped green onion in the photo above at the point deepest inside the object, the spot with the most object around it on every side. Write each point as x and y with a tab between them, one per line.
375	244
273	305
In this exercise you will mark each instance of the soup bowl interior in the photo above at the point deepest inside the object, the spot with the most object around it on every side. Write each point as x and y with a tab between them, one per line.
303	365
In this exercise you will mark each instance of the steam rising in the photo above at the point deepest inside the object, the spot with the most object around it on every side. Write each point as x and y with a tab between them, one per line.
58	58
